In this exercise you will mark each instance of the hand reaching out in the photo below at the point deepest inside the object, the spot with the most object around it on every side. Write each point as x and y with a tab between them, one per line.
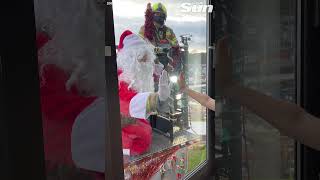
203	99
182	82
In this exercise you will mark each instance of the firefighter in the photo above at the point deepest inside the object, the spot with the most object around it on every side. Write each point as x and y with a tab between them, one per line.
161	36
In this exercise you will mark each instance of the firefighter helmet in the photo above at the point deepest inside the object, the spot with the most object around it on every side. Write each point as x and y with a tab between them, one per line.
159	7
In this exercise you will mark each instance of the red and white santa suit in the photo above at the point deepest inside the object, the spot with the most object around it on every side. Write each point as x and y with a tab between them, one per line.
74	125
136	90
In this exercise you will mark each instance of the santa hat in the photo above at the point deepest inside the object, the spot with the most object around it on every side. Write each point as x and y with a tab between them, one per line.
129	39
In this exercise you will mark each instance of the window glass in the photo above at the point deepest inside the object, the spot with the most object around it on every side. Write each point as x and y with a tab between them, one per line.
164	132
70	42
263	42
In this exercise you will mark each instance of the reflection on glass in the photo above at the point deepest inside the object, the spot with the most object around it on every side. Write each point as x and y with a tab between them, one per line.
70	42
263	49
163	131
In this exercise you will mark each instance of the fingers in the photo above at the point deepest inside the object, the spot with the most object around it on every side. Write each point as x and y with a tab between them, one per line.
181	79
163	77
182	76
182	82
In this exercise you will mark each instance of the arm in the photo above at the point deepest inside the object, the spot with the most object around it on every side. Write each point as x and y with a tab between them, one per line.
203	99
287	117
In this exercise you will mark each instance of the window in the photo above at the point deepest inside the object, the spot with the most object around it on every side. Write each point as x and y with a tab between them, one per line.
70	41
263	48
175	138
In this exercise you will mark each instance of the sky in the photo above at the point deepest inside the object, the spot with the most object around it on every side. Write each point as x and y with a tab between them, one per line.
129	14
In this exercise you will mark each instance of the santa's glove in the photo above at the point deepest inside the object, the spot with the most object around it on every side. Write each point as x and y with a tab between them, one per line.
163	103
159	102
164	89
158	68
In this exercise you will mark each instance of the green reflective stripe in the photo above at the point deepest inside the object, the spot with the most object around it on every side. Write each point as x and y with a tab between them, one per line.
155	7
174	42
171	37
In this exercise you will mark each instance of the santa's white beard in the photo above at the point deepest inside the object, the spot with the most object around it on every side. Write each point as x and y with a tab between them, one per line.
139	75
77	28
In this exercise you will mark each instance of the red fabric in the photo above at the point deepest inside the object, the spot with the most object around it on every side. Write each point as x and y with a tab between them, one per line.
42	39
156	78
122	37
125	96
136	137
60	109
149	27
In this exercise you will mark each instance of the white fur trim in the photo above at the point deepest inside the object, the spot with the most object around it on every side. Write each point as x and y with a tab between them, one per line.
138	105
88	138
133	40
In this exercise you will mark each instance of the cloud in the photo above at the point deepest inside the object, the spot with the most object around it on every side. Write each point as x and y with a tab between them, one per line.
136	8
129	14
196	29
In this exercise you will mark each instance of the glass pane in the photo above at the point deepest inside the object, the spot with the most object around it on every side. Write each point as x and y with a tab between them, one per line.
164	136
263	41
70	41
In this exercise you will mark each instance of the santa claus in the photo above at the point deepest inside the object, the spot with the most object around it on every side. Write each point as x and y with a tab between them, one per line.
71	51
74	121
138	101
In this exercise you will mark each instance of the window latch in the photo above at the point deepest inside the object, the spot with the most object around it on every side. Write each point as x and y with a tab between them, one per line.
107	51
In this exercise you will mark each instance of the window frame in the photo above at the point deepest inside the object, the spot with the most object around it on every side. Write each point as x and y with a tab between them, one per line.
15	134
114	156
205	169
300	74
21	124
307	73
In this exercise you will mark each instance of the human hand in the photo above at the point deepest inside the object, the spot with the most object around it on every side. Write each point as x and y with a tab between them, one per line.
158	68
164	89
182	82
